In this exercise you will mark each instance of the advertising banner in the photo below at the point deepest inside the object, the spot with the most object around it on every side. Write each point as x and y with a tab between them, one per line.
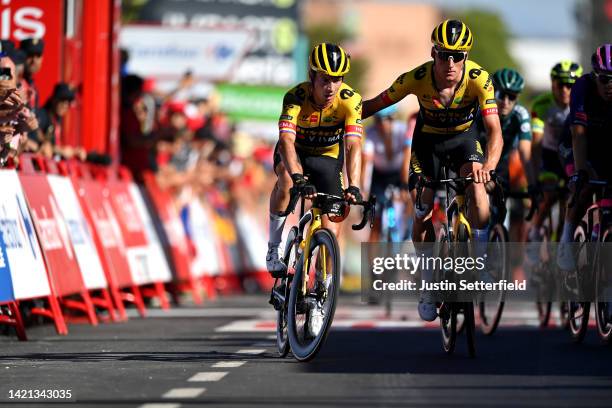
202	228
275	24
79	232
53	234
158	269
20	241
95	203
167	52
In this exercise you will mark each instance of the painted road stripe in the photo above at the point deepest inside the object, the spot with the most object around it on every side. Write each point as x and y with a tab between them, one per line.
208	376
267	326
228	364
251	351
161	405
184	393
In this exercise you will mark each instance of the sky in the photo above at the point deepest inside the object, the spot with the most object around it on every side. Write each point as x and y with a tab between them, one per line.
525	18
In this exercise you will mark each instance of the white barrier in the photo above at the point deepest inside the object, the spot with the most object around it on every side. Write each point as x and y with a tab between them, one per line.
25	258
157	267
207	260
79	232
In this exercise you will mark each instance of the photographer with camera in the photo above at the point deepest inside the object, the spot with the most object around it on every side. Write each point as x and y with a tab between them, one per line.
16	119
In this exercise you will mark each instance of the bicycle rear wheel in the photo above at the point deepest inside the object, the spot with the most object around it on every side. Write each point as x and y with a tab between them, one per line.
603	287
491	307
311	308
289	258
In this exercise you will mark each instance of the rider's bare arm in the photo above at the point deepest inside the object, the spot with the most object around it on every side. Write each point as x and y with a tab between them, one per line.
524	149
371	106
494	141
579	146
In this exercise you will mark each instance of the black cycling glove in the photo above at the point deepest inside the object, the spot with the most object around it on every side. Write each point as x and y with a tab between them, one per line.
303	186
355	192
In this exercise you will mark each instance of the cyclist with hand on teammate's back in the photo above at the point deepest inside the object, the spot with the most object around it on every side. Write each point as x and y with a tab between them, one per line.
451	90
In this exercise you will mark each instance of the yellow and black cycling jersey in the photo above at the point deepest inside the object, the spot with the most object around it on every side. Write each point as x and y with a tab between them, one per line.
320	131
473	91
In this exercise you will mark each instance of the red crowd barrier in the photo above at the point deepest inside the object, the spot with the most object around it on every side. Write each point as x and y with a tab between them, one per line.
89	242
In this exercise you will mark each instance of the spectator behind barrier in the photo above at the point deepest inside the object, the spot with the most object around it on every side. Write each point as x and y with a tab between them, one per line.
33	49
15	118
51	117
135	143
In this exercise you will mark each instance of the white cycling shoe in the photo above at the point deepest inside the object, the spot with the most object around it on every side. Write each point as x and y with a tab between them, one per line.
316	317
274	263
427	307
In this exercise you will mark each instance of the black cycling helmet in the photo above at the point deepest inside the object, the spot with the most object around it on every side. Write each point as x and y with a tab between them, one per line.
329	59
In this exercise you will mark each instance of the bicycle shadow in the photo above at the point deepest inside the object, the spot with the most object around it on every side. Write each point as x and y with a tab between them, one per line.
511	351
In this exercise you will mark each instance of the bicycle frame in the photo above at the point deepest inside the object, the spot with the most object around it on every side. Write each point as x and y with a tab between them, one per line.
312	216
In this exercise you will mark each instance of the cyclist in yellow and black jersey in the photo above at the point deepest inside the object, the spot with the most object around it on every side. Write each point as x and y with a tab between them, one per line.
320	120
450	90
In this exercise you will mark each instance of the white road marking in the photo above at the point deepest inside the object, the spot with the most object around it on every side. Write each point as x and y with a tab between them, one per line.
158	405
228	364
208	376
184	393
251	351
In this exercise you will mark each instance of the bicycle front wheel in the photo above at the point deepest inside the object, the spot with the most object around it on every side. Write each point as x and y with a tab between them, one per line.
447	311
603	289
578	312
313	296
492	305
289	258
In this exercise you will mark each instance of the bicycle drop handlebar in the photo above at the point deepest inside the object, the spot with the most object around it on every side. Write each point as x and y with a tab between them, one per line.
368	206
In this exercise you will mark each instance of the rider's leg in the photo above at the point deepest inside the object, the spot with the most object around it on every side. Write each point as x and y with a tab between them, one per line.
478	210
423	231
279	199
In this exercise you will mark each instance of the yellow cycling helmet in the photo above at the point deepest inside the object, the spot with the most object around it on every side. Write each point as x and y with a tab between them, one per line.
452	35
566	71
329	59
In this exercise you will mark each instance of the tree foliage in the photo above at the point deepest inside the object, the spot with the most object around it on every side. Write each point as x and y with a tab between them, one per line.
491	40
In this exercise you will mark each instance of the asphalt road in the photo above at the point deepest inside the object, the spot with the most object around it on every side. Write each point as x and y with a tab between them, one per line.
224	354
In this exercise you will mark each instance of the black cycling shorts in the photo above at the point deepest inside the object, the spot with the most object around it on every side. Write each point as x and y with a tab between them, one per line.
552	166
430	151
322	171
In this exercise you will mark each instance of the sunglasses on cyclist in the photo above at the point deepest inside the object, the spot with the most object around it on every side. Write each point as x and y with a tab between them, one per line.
457	56
604	79
501	95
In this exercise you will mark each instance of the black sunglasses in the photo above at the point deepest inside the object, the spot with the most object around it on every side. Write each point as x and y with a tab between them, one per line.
500	95
604	79
457	56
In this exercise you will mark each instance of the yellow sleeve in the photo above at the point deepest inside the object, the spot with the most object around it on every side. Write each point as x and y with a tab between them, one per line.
292	104
483	85
352	103
404	85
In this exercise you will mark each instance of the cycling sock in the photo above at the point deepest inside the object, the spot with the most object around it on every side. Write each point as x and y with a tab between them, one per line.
480	238
567	233
277	224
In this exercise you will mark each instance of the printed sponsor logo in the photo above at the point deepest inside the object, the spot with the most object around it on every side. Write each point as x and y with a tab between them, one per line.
346	93
420	73
490	102
474	73
284	124
525	127
354	129
489	111
286	117
314	118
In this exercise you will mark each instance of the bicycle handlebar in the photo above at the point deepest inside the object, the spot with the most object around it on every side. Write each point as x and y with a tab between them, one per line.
368	206
574	196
